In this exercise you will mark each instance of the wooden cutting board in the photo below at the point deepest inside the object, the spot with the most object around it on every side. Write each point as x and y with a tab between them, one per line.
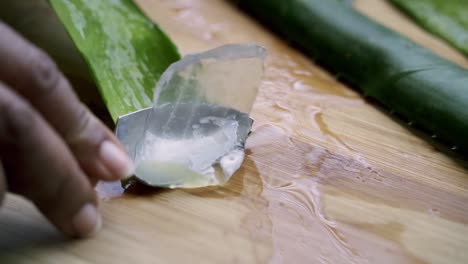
328	177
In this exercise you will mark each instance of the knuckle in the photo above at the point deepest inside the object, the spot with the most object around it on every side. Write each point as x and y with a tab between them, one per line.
83	119
80	125
45	73
19	120
85	131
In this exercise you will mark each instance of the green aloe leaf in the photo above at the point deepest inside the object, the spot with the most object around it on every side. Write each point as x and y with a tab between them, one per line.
125	51
446	18
427	90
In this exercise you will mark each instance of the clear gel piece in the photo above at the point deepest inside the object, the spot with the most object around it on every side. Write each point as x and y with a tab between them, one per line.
194	135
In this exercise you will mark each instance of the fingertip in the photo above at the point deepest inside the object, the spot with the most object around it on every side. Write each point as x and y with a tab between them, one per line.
87	221
116	160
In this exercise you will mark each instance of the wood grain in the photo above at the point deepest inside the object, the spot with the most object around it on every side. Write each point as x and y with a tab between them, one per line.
328	177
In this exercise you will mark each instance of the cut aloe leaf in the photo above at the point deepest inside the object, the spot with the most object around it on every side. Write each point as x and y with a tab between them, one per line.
427	90
125	51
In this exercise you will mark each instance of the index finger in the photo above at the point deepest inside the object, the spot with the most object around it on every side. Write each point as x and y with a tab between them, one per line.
35	76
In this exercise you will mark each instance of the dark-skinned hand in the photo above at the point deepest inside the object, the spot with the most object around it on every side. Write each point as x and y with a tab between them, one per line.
52	149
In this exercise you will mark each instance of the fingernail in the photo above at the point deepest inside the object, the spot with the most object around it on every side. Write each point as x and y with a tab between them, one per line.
87	221
116	160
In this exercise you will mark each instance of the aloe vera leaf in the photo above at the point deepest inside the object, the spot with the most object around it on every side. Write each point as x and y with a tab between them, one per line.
426	89
447	19
125	51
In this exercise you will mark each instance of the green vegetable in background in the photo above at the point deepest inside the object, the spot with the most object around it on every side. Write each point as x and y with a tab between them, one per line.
124	50
445	18
428	90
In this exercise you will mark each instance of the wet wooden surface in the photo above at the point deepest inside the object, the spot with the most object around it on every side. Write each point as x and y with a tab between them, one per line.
328	177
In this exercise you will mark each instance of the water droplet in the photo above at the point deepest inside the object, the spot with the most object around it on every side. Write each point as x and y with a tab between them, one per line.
300	86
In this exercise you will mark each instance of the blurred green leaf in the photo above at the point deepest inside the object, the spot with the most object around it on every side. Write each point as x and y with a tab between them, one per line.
446	18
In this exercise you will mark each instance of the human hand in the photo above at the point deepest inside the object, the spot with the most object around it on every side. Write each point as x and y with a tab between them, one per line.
52	148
